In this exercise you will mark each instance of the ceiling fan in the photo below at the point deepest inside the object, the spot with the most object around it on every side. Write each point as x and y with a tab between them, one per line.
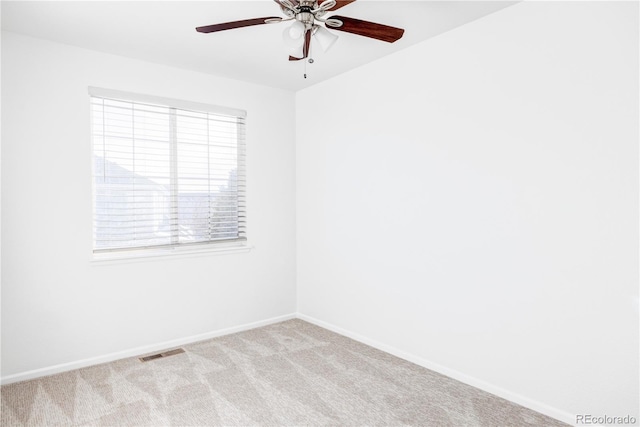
308	15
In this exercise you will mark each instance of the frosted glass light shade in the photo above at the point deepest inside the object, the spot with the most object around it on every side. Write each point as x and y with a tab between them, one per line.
293	35
296	52
325	38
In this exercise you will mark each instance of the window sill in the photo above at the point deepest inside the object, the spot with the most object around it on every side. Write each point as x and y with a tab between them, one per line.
166	253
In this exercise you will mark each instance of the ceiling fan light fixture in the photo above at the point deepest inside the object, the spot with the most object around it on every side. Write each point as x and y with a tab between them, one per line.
309	21
325	38
293	35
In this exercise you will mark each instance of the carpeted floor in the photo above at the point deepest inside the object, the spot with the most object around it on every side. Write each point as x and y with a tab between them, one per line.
290	373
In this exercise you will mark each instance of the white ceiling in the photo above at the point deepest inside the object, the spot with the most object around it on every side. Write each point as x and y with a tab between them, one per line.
164	32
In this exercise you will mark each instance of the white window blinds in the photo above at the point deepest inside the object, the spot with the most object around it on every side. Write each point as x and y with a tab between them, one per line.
164	175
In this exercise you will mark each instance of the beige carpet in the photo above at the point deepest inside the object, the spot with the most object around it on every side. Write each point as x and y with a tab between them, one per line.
290	373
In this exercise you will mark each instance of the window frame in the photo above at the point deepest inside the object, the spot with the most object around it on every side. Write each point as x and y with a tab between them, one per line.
223	246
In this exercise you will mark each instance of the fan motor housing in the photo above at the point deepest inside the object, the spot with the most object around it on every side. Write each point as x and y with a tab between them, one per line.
306	17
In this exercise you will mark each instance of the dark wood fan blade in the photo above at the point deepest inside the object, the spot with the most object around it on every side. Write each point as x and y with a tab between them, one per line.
234	24
339	4
305	48
369	29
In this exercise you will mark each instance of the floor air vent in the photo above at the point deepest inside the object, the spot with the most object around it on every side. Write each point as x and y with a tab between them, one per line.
161	355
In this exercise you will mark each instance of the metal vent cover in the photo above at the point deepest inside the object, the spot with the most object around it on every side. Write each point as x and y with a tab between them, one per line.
161	355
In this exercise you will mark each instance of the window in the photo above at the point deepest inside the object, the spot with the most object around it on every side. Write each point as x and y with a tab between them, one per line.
166	173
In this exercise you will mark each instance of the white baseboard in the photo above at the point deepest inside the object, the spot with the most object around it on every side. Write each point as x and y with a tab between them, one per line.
64	367
456	375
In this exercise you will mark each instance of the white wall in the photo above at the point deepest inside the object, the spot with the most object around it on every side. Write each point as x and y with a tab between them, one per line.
472	203
57	307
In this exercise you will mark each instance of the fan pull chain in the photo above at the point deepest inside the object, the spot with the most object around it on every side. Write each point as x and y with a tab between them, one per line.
309	60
